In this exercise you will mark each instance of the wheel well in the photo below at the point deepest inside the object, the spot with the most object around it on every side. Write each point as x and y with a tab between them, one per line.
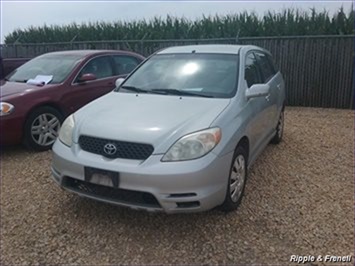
52	105
244	142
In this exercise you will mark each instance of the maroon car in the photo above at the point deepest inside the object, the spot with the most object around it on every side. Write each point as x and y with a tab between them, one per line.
37	96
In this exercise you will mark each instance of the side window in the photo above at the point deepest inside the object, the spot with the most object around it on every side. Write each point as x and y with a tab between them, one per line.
125	64
272	64
251	75
266	68
100	66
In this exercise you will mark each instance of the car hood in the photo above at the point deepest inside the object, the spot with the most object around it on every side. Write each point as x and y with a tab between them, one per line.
9	88
146	118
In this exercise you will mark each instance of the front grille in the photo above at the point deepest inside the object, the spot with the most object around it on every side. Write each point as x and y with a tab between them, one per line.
118	195
125	150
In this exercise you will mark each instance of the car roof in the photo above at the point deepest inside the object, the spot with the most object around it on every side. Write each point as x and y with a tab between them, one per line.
84	53
207	48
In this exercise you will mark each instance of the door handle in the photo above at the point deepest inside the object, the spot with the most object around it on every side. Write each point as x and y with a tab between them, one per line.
279	86
267	97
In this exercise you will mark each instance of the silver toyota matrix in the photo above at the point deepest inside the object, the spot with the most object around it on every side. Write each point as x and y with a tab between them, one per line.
178	134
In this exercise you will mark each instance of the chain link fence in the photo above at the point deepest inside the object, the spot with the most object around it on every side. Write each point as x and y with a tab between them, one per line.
318	70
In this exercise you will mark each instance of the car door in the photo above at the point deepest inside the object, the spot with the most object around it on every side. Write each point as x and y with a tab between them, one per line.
83	92
269	77
257	106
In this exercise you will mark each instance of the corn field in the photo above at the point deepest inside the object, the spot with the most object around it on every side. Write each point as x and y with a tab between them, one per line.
289	22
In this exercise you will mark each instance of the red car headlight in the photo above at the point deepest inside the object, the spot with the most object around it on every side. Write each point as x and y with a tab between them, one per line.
6	108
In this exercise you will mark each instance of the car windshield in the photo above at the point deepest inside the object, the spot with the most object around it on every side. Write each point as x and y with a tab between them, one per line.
209	75
58	66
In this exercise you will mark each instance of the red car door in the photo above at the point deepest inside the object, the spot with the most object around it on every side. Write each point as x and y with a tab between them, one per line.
83	92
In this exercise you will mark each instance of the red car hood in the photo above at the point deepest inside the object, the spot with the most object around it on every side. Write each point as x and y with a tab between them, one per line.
9	88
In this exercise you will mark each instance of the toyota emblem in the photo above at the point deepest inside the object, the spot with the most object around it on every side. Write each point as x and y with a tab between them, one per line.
110	149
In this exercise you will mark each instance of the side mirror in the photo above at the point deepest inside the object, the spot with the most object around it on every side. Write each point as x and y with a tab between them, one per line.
257	90
87	77
119	82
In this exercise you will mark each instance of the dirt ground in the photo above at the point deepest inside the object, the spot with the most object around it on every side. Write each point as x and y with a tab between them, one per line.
299	201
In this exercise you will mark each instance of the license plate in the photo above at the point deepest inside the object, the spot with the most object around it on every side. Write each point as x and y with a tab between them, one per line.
101	177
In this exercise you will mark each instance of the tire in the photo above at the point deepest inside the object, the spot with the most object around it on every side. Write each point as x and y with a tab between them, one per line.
232	201
279	129
42	128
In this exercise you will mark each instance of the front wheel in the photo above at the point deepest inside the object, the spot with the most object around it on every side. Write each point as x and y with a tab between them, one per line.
279	129
42	128
236	181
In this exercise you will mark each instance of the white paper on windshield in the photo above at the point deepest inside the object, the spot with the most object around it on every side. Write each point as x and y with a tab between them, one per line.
40	80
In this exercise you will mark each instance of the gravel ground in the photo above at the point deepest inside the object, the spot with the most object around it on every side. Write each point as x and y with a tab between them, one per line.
299	200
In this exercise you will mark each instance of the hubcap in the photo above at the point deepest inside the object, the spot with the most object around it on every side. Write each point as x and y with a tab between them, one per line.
280	125
44	129
237	178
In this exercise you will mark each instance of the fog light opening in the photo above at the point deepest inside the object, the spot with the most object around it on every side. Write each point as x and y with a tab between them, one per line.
182	195
188	204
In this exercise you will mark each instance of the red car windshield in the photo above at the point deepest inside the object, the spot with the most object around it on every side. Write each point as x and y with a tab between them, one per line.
58	66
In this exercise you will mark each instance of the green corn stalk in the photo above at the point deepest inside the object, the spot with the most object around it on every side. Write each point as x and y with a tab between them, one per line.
288	22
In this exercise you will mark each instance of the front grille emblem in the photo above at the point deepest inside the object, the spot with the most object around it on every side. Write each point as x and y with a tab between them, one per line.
110	149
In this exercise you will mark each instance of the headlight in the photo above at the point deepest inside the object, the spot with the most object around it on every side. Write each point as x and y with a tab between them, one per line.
6	108
194	145
66	131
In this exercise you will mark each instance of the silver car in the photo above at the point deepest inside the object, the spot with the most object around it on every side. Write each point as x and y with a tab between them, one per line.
179	134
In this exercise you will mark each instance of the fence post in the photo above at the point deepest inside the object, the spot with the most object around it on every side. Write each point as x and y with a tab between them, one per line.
15	45
237	37
72	40
142	43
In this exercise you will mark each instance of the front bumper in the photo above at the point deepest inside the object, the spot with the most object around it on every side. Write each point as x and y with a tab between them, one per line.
188	186
11	128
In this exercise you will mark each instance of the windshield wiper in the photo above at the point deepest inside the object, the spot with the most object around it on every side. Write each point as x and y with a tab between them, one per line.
135	89
181	92
14	80
165	91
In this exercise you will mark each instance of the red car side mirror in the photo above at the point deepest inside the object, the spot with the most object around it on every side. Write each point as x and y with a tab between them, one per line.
87	77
